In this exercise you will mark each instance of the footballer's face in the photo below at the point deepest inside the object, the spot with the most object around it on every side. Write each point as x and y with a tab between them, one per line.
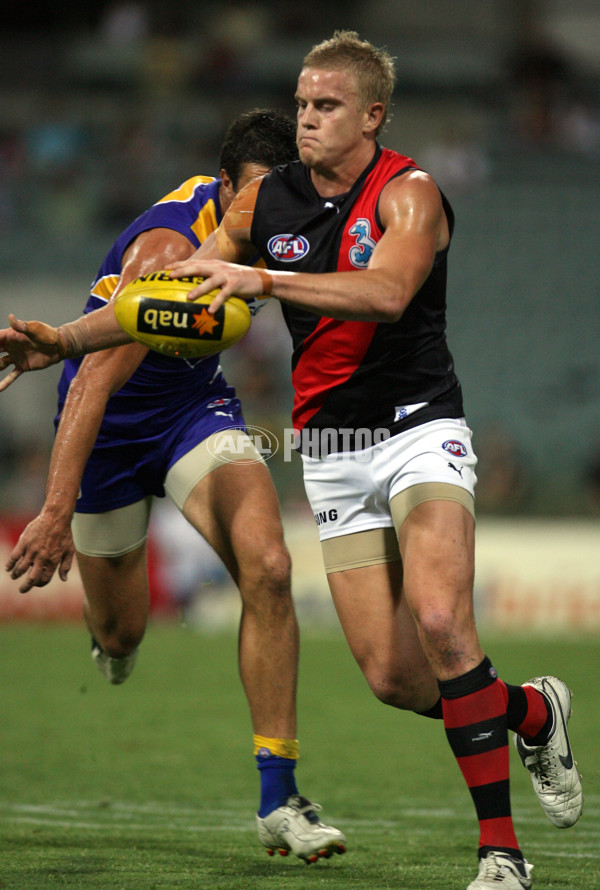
331	123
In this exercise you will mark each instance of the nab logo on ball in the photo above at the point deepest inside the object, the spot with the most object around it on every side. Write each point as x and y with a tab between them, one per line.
163	317
155	311
288	248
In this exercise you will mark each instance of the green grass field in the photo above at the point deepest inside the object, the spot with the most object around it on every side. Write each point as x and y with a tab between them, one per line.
153	785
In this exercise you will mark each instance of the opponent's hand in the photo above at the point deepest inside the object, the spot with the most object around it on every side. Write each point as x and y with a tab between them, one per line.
29	346
231	279
45	545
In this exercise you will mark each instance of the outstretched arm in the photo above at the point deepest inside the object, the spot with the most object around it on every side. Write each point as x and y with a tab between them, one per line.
34	345
46	544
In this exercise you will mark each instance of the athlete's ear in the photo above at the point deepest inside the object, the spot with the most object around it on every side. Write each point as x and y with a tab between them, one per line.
374	117
227	191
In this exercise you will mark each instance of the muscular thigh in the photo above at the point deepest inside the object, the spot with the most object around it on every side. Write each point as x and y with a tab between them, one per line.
116	588
437	546
370	606
235	507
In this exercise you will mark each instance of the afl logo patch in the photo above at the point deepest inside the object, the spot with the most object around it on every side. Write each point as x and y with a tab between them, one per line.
288	248
457	449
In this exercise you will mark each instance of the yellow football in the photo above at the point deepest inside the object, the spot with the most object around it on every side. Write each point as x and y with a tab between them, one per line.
155	311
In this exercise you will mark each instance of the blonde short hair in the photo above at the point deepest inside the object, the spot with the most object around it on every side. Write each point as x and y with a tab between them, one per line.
373	68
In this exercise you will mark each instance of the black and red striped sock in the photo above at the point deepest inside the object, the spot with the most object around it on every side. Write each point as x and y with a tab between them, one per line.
474	707
528	713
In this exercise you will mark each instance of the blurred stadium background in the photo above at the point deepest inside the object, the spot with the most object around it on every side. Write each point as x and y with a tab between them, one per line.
105	107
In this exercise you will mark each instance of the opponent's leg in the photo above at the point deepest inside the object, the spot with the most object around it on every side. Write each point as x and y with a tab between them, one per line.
115	609
111	555
235	508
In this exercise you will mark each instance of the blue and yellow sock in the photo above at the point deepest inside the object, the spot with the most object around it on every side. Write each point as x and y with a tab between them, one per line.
276	762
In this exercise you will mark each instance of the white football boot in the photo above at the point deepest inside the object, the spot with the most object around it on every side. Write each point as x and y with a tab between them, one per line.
553	770
499	871
115	670
295	826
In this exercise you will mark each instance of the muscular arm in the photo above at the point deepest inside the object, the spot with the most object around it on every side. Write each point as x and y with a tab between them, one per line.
46	542
415	229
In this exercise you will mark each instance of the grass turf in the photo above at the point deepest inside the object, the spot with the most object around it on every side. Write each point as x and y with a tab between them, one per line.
153	784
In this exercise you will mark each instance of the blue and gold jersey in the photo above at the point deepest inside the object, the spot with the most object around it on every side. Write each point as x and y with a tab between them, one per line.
163	394
194	211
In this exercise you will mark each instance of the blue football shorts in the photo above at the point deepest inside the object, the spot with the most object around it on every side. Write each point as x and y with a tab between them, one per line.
130	462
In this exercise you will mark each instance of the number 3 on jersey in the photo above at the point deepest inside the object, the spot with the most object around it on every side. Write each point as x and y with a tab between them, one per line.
360	254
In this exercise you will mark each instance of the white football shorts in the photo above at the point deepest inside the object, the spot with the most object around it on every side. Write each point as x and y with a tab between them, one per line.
371	491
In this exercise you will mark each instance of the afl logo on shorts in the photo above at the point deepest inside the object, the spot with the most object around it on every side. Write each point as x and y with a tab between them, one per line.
455	448
288	248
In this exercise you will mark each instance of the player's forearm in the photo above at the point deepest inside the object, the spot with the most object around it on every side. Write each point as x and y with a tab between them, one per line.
75	437
358	296
91	333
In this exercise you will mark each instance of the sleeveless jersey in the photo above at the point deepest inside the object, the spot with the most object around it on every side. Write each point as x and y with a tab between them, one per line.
354	375
194	210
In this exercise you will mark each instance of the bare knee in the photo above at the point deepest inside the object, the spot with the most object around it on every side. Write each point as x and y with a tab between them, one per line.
117	635
411	690
450	639
116	600
267	575
390	691
117	639
271	566
118	629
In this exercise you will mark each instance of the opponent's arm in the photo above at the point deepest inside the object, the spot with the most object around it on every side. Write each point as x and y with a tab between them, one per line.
46	543
415	229
34	345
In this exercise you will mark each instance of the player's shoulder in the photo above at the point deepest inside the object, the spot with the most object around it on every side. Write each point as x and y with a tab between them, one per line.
196	187
413	192
389	171
388	165
408	181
